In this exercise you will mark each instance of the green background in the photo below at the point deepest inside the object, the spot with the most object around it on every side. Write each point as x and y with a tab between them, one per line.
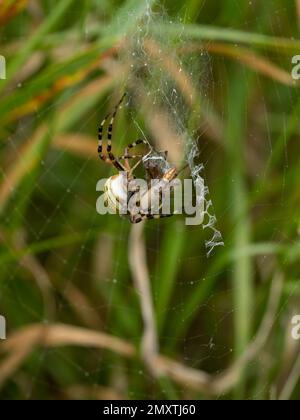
65	276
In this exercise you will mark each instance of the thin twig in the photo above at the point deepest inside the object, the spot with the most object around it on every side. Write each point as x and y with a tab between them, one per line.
291	382
231	376
22	343
140	274
98	392
81	305
224	382
187	376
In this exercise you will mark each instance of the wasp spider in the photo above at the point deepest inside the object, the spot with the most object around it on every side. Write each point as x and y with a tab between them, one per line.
155	164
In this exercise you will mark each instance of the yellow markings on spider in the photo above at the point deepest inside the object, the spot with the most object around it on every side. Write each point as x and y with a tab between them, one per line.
116	193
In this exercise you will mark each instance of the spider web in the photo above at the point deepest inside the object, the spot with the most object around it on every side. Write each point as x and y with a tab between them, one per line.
165	82
183	121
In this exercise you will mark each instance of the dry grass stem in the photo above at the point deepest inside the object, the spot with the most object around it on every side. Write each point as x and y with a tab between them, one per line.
189	377
22	343
249	58
140	274
291	382
82	306
298	10
78	144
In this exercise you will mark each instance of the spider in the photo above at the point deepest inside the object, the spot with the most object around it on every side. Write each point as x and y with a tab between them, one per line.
155	164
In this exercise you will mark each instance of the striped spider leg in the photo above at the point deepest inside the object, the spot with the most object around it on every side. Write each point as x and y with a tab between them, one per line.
109	157
127	155
116	193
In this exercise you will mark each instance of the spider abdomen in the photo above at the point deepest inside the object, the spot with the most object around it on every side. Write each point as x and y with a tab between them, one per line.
115	192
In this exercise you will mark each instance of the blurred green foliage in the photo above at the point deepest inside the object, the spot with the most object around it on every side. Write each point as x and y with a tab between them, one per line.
63	263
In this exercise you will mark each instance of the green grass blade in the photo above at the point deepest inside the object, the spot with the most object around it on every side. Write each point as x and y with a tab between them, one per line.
58	12
243	293
211	33
168	266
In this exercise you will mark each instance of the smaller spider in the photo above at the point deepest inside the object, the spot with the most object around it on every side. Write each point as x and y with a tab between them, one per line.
155	164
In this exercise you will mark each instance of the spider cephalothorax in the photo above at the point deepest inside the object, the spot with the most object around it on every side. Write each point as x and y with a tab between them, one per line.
156	164
156	167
